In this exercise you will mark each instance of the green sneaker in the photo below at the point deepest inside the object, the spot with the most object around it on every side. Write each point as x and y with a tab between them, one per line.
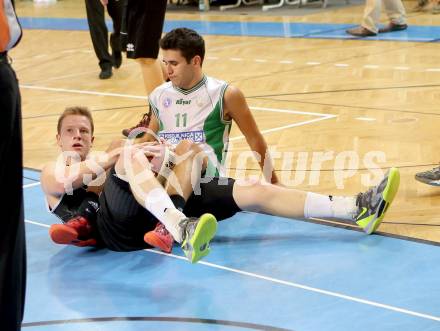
197	233
374	203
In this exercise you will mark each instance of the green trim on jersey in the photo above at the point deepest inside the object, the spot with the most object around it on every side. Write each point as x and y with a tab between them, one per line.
222	114
156	113
215	128
192	89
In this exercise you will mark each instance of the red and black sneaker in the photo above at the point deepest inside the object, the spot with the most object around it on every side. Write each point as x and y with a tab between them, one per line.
160	238
143	123
77	232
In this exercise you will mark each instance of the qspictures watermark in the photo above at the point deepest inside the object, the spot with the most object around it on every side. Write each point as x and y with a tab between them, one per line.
296	168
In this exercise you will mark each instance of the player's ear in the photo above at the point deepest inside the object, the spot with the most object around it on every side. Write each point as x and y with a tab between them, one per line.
93	139
196	60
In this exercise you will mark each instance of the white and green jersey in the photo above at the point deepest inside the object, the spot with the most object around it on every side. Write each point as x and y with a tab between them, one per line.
195	114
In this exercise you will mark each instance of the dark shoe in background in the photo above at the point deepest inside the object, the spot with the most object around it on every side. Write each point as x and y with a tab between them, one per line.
105	73
393	27
117	59
360	31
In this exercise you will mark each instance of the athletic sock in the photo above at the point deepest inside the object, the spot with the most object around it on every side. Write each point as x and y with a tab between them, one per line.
160	205
319	205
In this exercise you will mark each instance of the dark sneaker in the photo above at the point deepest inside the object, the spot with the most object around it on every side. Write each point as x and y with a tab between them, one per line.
430	177
160	238
105	73
143	123
115	44
393	27
360	31
374	203
117	59
197	233
76	231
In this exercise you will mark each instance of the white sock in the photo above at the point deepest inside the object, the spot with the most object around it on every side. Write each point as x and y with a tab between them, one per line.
319	205
160	205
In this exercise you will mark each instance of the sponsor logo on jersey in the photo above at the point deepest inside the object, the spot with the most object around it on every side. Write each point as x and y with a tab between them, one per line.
175	137
200	102
183	102
167	102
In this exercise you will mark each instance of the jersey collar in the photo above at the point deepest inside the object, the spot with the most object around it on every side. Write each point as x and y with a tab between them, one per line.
192	89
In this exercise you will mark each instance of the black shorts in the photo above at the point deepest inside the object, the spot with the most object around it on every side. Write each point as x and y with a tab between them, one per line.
122	222
145	19
215	197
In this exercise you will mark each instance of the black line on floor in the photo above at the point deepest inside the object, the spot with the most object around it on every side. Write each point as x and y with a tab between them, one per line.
251	326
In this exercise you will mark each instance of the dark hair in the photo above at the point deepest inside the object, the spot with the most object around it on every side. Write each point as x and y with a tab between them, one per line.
77	110
187	41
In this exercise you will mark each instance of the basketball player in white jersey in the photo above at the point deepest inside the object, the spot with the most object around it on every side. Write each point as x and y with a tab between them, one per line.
193	106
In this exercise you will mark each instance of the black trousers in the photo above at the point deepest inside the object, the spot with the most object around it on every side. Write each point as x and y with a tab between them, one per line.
99	32
12	237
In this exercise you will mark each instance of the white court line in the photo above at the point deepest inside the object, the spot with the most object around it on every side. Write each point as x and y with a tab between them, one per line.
31	185
367	119
275	110
321	116
371	66
36	223
242	44
291	284
288	126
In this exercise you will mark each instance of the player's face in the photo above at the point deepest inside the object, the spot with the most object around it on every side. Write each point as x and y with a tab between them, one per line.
181	73
76	135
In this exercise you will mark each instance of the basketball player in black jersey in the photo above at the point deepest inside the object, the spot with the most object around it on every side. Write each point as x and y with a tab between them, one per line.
131	199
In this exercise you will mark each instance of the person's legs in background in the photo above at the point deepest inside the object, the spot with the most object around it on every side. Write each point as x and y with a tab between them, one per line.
114	9
370	20
145	19
99	34
396	14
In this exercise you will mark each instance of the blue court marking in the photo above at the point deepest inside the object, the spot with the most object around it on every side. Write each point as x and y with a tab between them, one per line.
262	29
256	273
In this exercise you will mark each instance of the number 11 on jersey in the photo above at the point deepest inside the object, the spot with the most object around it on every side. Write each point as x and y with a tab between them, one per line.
181	119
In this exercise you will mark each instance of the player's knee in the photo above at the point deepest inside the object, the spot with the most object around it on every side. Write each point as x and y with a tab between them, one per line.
253	194
259	191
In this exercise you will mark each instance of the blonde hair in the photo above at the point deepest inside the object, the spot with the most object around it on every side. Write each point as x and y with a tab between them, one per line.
76	110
